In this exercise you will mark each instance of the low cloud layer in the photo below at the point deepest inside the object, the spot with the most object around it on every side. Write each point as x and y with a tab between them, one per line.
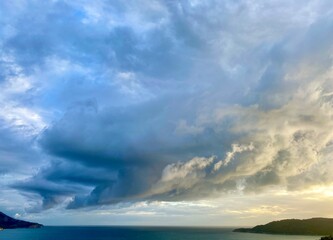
110	102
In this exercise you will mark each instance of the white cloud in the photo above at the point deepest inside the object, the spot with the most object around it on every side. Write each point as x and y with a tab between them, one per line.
180	101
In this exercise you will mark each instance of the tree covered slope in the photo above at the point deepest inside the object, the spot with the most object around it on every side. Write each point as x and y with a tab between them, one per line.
313	226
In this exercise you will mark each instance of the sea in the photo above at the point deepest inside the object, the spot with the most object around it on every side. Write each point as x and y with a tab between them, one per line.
139	233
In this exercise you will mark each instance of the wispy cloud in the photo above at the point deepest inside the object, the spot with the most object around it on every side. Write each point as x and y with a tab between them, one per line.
112	102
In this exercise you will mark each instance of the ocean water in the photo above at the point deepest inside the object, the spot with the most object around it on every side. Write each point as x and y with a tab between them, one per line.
138	233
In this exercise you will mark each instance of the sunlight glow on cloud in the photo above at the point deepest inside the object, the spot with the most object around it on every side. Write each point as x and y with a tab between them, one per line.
106	105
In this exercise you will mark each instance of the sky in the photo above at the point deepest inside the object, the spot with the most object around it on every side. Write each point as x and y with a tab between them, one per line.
166	112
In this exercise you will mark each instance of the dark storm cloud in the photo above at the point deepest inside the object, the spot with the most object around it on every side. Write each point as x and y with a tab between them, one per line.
62	179
58	29
164	101
136	142
16	152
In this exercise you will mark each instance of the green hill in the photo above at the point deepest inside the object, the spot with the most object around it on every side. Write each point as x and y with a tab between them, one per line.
313	226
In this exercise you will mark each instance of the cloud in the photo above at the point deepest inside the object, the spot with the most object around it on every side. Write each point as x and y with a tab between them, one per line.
112	102
281	151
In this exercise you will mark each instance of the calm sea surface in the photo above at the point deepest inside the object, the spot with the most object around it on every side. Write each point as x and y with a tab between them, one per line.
138	233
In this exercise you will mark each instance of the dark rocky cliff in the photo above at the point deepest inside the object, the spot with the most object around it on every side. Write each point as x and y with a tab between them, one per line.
7	222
